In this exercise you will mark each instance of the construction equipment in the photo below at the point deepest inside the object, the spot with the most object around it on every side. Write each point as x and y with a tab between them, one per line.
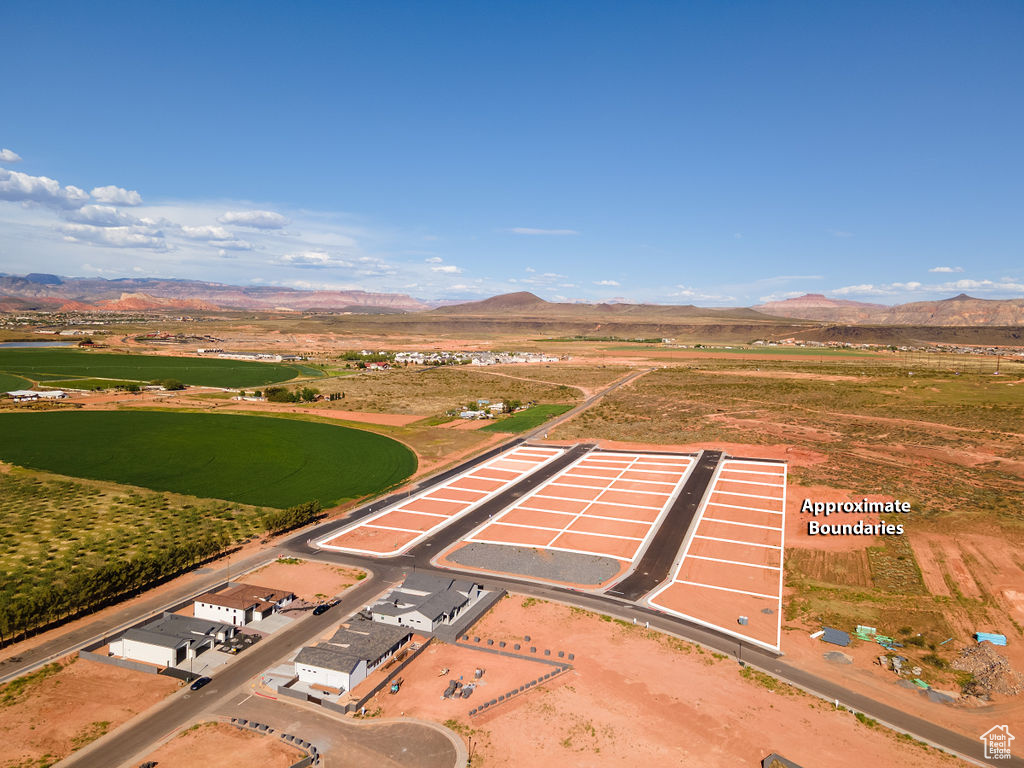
396	684
444	671
467	690
479	673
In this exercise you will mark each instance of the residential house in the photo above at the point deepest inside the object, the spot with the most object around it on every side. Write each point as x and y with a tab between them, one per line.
170	640
241	604
426	602
352	653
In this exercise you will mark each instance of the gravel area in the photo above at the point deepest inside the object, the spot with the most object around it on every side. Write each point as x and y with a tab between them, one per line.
571	567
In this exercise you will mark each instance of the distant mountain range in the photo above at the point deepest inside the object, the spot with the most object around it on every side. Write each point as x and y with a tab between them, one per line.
53	293
49	292
959	310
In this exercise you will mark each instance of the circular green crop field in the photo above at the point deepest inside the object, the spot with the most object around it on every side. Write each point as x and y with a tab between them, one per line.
258	460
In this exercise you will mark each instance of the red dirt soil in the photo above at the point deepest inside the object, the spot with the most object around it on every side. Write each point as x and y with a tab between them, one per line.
221	744
306	579
53	713
633	700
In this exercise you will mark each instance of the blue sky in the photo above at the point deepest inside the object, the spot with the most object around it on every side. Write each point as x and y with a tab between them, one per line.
719	153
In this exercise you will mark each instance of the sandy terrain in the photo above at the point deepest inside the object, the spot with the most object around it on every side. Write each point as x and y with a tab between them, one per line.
423	684
796	521
222	744
867	677
785	375
792	455
384	419
634	700
310	581
78	704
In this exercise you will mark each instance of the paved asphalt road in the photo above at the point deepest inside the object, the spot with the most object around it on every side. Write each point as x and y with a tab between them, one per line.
423	552
137	735
656	564
84	634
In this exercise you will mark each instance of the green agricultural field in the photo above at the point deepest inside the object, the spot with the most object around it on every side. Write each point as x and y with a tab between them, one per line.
91	383
49	364
57	536
9	382
526	420
247	459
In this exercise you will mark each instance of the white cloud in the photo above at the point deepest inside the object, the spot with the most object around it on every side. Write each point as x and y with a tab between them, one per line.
235	245
946	269
114	237
312	259
101	216
207	233
9	156
606	282
1002	286
22	188
685	292
447	268
364	266
781	296
534	231
255	219
434	260
117	195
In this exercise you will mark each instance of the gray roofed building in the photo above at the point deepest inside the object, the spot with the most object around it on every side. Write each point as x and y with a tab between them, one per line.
351	654
425	601
170	639
172	628
327	656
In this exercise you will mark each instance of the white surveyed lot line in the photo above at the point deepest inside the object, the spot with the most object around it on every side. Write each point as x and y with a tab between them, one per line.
531	465
748	509
621	464
748	482
734	541
745	525
734	562
747	495
728	466
723	589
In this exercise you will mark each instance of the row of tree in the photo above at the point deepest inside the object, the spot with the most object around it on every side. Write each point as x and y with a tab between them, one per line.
83	590
284	395
281	520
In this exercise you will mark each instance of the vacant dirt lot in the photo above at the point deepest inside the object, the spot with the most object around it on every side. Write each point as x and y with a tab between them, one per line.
51	715
309	580
640	698
221	744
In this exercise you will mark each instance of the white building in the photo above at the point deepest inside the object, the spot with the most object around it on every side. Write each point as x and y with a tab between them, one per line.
241	604
170	640
26	395
350	655
426	602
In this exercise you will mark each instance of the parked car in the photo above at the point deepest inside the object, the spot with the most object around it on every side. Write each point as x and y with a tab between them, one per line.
322	608
201	682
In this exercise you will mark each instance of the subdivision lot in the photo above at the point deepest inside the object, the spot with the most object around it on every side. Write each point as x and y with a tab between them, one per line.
220	743
400	526
731	567
65	705
605	504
